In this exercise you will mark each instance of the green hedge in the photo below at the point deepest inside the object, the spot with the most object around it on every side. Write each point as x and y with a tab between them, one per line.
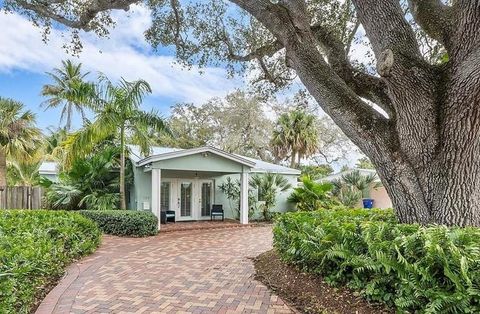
431	269
124	222
35	248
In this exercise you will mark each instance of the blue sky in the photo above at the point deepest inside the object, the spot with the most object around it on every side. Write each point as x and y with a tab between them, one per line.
24	59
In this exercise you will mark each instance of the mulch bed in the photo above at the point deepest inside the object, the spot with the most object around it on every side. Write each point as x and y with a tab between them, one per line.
308	293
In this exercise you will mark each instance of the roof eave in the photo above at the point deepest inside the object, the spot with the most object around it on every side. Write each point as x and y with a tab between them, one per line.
192	151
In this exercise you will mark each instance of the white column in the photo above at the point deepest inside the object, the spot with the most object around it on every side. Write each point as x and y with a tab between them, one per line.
244	198
156	180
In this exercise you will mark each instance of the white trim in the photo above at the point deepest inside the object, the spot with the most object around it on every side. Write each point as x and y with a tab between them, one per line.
192	151
244	198
287	172
156	180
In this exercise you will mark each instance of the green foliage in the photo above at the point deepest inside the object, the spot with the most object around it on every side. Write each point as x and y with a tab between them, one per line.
70	91
35	248
236	123
316	172
23	172
90	183
124	222
295	136
231	189
269	185
310	195
433	269
364	163
352	186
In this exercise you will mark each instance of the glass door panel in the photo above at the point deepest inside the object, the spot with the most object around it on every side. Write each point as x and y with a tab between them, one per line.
186	199
206	198
165	196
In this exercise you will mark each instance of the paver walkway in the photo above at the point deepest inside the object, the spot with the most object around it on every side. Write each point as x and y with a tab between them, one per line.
203	271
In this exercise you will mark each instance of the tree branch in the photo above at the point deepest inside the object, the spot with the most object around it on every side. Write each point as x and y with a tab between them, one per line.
434	17
387	29
90	11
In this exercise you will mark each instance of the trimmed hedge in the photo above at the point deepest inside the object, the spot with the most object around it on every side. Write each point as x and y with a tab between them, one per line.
35	248
131	223
431	269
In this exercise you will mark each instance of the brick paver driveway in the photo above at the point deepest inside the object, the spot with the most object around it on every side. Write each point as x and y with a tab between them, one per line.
180	272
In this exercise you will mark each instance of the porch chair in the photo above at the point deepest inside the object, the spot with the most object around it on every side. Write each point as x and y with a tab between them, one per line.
217	210
167	215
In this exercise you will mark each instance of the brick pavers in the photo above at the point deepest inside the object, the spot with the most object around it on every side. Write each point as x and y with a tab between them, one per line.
201	271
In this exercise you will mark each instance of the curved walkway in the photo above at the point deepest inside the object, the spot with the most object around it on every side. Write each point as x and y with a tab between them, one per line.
180	272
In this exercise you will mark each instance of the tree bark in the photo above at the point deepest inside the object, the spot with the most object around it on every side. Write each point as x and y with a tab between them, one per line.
123	203
3	168
293	159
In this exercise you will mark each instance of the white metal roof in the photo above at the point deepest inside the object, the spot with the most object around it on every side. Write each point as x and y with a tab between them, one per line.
162	153
48	167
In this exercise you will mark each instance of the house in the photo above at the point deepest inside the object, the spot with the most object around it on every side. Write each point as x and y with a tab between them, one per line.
188	180
48	169
378	194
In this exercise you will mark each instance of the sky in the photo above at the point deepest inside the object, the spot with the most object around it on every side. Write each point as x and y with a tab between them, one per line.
24	59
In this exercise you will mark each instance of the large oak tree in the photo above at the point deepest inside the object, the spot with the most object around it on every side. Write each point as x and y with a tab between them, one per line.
426	150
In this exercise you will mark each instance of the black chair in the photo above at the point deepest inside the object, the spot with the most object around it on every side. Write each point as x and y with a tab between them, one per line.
167	215
217	210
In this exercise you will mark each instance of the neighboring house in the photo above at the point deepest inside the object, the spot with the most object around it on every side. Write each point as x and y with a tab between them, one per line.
48	169
379	194
187	181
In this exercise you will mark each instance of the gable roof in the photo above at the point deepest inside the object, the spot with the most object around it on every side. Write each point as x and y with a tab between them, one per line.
164	153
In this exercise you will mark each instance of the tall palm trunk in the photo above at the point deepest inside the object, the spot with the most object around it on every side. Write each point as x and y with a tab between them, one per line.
3	167
123	203
292	159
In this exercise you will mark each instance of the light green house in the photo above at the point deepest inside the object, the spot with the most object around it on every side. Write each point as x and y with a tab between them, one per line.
187	181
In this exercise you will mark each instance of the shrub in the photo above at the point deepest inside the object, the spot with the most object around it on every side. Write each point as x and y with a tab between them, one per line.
311	195
35	248
124	222
431	269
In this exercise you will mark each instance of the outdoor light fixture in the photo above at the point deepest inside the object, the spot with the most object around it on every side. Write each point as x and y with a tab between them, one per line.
275	1
205	154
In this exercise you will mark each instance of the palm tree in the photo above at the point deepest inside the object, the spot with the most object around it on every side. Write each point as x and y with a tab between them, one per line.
352	186
118	114
295	136
68	90
19	138
311	195
25	173
268	185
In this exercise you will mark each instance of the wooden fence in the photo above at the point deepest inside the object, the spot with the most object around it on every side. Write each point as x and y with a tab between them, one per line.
21	197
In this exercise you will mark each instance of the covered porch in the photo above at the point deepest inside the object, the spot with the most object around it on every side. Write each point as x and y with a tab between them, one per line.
187	182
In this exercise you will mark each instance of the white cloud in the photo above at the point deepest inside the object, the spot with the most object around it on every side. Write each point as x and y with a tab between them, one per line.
125	54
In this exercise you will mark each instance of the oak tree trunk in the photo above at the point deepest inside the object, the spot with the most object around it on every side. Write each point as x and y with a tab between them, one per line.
427	152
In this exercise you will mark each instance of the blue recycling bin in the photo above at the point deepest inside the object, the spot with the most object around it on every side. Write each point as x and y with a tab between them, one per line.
367	203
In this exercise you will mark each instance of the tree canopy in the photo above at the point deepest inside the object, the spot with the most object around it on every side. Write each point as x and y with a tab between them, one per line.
421	70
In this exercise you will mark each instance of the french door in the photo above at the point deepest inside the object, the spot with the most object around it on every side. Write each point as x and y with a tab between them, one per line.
191	199
206	197
185	200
